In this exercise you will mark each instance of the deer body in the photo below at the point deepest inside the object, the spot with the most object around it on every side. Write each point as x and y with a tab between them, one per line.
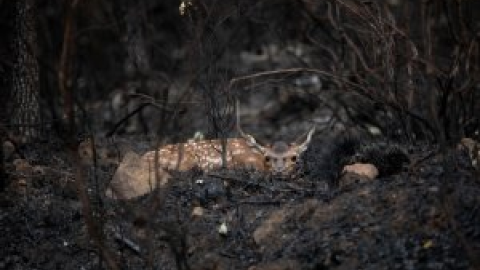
207	155
137	176
140	175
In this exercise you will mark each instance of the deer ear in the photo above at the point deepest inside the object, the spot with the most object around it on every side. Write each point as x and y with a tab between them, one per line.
303	146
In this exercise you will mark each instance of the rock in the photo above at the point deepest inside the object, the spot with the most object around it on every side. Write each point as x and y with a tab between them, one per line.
198	211
223	229
362	169
357	173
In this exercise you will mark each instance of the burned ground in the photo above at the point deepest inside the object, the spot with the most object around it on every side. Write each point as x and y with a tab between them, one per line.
388	84
424	217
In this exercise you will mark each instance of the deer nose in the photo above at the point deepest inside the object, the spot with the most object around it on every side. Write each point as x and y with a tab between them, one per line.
279	169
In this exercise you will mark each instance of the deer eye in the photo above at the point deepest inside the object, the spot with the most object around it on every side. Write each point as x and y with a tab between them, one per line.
268	158
293	158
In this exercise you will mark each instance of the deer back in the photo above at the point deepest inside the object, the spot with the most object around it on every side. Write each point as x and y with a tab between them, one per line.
207	155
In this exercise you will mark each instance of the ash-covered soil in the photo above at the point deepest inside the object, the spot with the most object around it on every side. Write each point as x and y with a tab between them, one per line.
426	216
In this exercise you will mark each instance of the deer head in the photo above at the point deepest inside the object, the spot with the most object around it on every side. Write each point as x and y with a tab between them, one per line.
280	157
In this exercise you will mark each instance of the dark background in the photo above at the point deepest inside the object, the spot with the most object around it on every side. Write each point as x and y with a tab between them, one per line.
149	71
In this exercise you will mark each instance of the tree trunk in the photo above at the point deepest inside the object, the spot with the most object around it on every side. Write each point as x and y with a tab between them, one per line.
19	77
23	97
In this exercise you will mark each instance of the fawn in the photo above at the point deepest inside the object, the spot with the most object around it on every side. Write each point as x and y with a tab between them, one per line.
279	159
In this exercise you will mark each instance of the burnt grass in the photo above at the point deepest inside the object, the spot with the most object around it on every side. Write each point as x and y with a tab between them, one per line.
425	216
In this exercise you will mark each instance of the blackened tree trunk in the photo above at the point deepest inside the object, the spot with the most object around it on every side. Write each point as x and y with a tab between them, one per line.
24	103
19	77
19	114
